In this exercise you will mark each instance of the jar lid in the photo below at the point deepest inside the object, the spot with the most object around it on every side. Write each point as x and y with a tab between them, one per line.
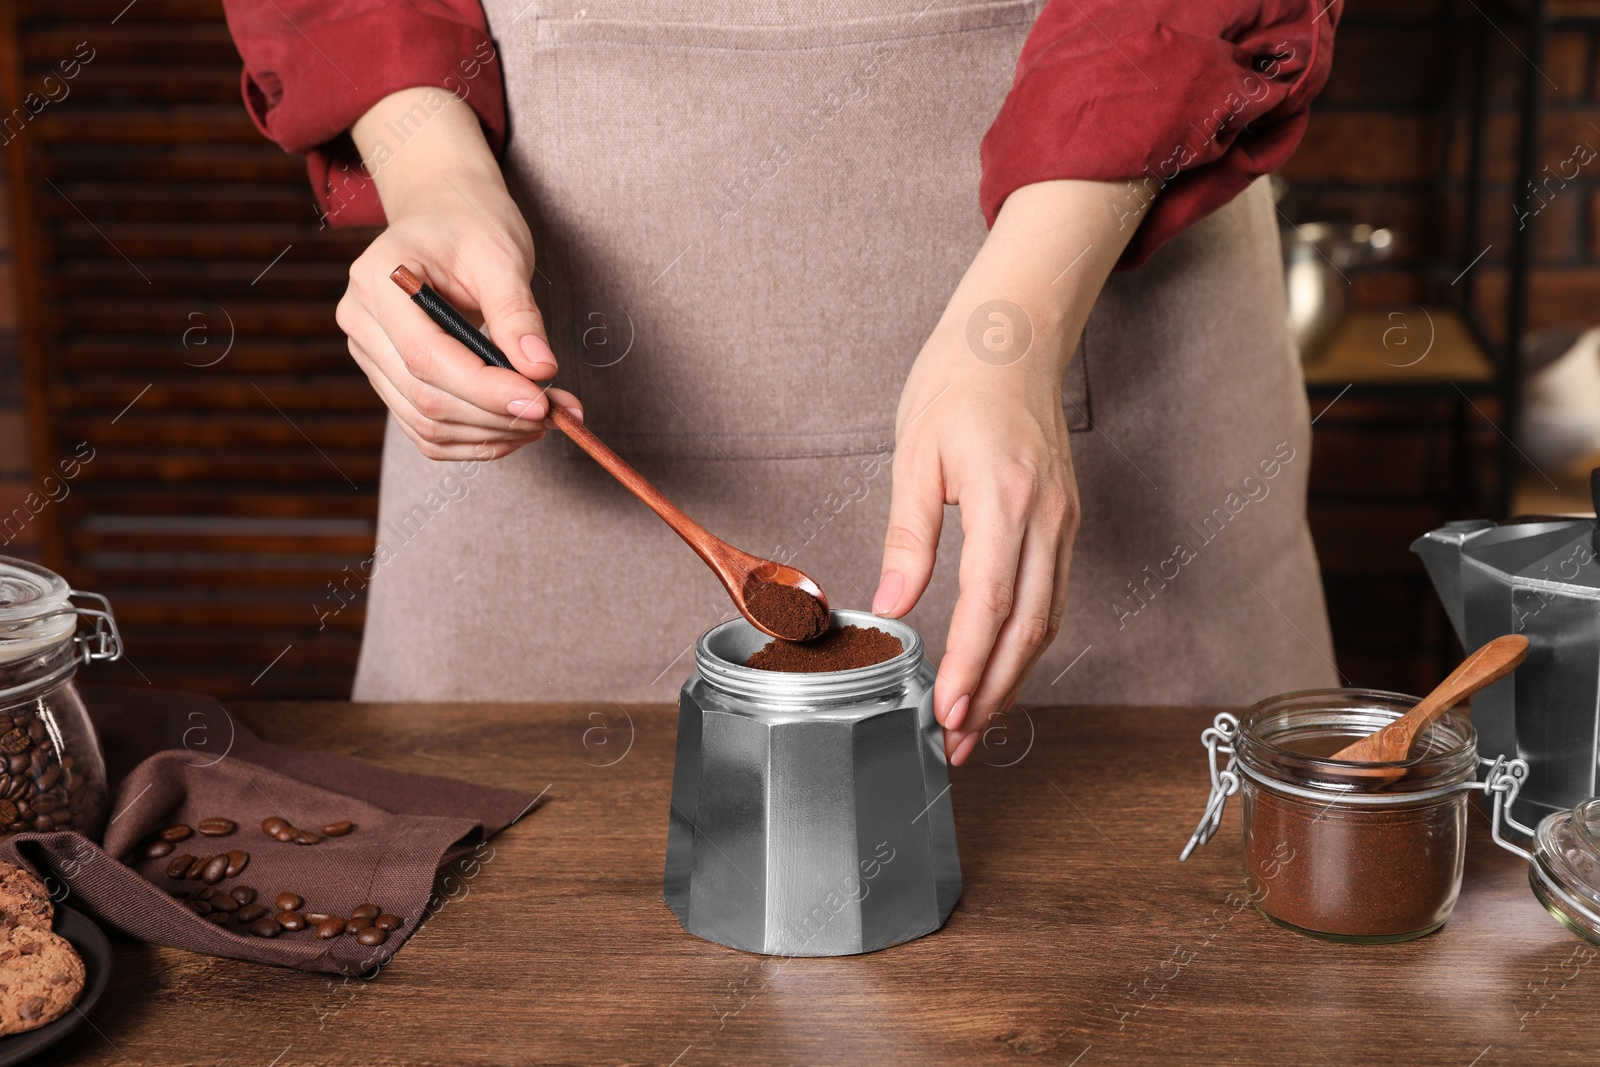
1566	871
36	611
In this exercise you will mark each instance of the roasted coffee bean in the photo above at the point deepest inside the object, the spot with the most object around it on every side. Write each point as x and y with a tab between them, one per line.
289	902
267	927
338	829
156	849
223	902
51	775
196	865
216	826
43	823
218	917
36	731
45	803
213	871
17	762
243	894
316	917
365	911
237	861
178	866
271	825
331	927
249	913
18	788
286	834
371	935
175	833
290	919
200	907
387	922
15	741
355	926
306	837
205	892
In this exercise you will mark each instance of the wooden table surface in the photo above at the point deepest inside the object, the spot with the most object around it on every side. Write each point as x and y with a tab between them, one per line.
1079	940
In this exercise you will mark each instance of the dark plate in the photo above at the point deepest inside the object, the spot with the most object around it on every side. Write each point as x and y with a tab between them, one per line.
92	945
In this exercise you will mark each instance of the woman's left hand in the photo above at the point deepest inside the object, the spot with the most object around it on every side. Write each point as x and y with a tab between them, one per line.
993	442
980	425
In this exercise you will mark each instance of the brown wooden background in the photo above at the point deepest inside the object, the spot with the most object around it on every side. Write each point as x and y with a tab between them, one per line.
151	224
179	304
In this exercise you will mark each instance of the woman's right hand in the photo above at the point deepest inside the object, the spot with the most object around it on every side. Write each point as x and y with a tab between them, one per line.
452	221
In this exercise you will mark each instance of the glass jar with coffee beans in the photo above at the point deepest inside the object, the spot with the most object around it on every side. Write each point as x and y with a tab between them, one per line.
52	775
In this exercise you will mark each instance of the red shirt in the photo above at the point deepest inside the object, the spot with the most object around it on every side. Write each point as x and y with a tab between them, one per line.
1189	100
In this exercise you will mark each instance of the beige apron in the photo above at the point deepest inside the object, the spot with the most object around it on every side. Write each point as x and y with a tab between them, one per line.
749	217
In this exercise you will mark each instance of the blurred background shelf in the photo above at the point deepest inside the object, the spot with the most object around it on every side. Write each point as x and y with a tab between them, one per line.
1552	492
1403	347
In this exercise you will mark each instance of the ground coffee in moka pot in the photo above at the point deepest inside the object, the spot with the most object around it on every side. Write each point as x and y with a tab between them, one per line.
842	648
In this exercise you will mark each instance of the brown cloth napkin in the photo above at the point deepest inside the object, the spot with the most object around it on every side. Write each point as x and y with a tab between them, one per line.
175	758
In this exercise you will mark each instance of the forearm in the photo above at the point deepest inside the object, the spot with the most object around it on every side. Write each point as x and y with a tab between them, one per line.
1050	251
419	143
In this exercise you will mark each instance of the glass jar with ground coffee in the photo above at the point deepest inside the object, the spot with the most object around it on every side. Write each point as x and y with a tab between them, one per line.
52	775
1330	851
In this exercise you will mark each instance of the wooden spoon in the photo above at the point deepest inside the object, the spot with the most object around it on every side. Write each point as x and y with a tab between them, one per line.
1392	744
740	573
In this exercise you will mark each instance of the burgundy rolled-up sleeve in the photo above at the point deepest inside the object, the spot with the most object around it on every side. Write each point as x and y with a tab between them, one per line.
1187	100
312	67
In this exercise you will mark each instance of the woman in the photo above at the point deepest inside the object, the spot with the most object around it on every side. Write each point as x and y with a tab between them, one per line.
737	224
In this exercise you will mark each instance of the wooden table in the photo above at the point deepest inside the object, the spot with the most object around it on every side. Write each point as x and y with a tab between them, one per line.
1079	940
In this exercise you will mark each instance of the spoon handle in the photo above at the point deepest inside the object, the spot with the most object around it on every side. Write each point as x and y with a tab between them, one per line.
1488	664
697	536
452	322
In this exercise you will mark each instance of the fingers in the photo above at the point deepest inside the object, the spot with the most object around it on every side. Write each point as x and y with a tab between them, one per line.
432	436
916	515
565	401
500	291
1029	628
437	375
1035	619
993	516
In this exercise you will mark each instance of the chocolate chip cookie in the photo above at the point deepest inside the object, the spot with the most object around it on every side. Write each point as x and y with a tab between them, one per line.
24	901
41	977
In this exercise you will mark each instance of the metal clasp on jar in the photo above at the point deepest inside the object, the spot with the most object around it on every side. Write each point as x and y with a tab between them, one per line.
1504	780
1219	737
103	642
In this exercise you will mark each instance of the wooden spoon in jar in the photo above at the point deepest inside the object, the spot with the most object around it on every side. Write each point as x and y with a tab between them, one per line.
1392	744
778	600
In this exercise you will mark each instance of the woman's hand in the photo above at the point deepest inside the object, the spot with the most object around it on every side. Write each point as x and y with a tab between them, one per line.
980	425
451	220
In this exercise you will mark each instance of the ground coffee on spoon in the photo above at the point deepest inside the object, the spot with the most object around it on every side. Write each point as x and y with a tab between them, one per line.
791	613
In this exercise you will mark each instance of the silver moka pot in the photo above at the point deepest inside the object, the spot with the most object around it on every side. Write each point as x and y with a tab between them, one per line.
1539	577
811	813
